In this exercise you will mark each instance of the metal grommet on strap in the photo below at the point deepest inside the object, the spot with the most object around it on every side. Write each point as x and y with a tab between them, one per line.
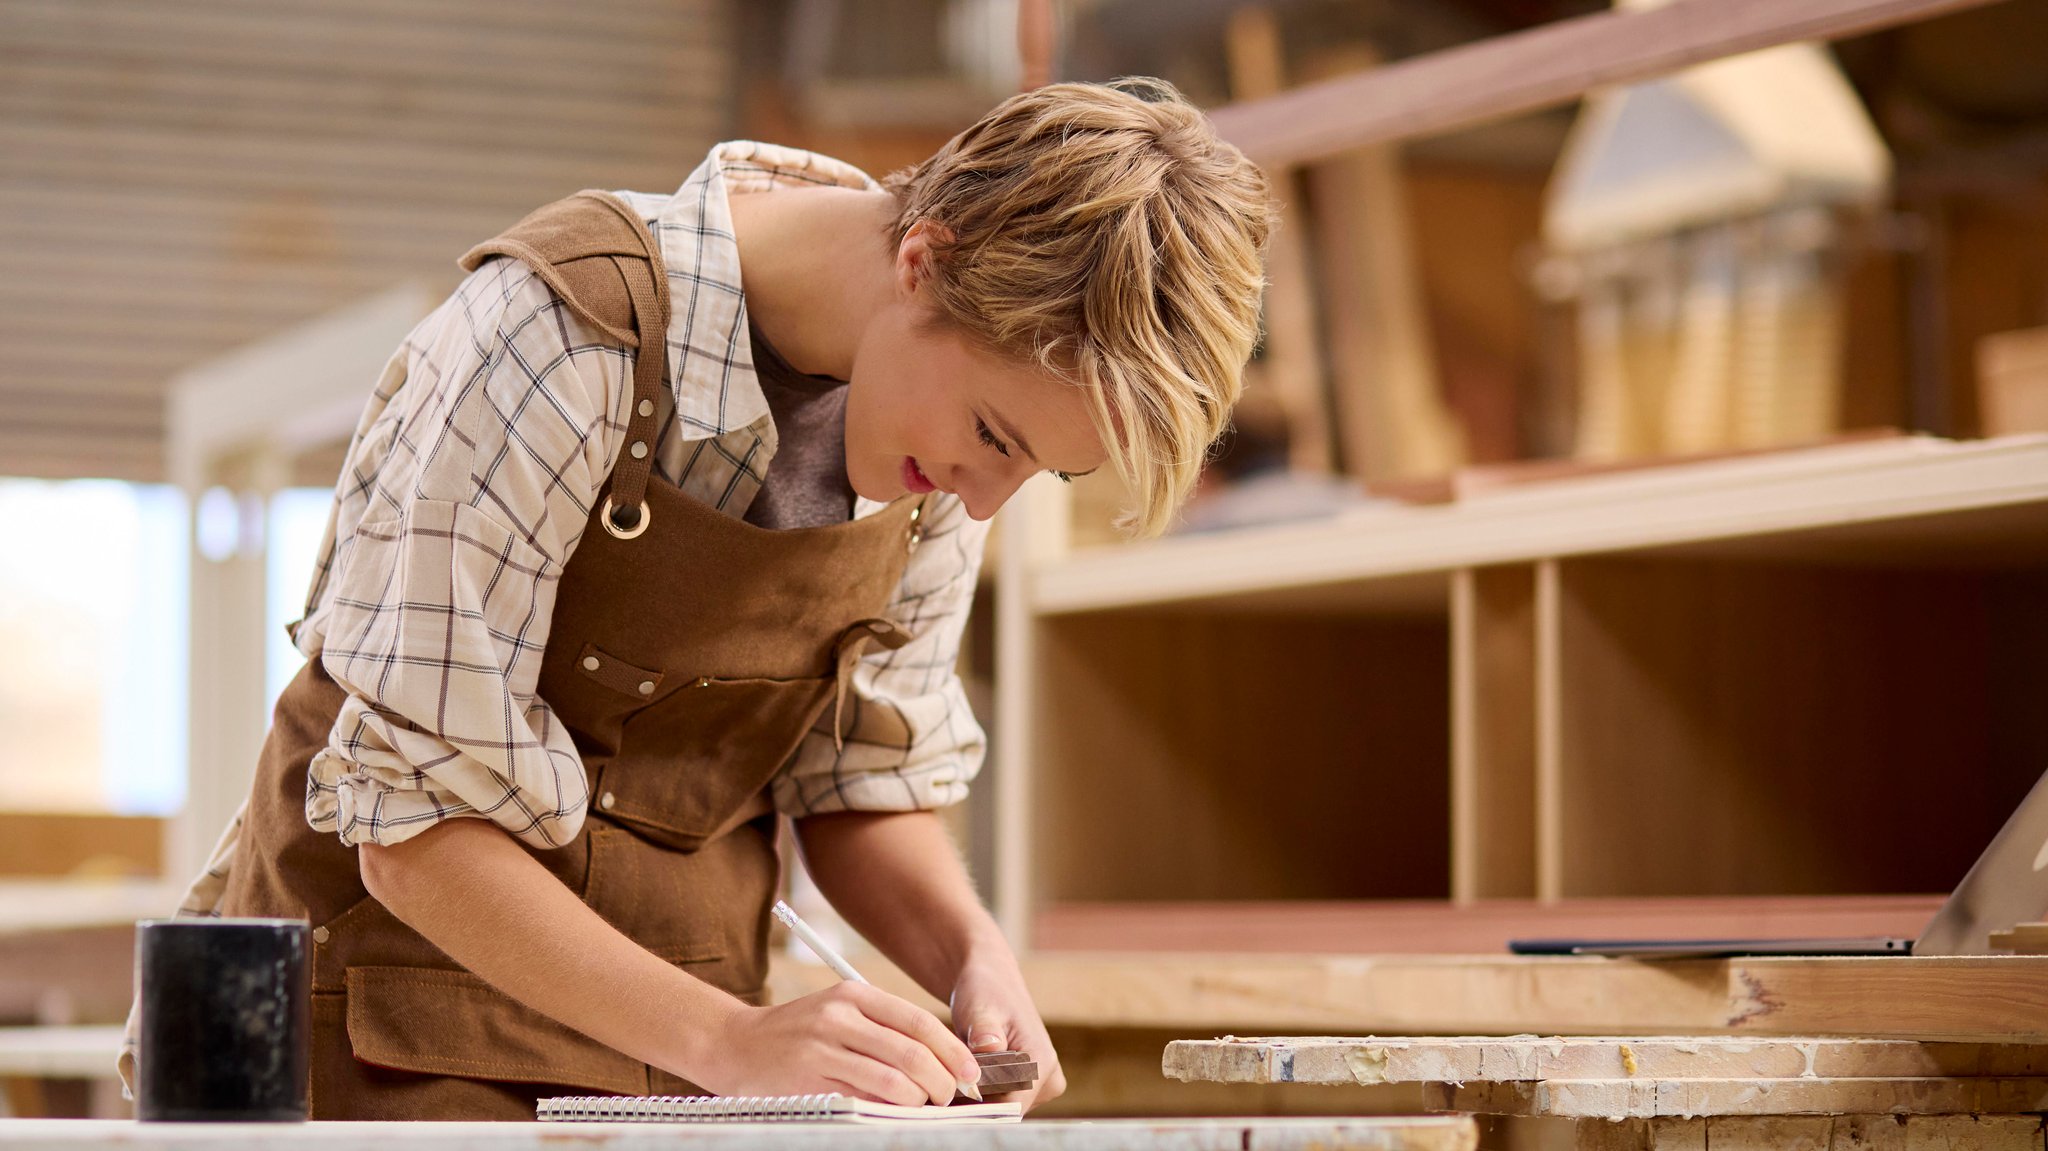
636	520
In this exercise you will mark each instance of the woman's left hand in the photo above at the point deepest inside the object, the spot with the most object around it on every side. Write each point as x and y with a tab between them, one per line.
992	1010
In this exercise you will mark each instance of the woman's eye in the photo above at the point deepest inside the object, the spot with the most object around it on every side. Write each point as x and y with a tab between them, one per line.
989	438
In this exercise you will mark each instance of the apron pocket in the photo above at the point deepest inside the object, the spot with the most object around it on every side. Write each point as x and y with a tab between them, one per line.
439	1022
689	908
711	745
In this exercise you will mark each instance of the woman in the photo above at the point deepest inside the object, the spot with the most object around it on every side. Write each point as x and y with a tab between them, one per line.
625	563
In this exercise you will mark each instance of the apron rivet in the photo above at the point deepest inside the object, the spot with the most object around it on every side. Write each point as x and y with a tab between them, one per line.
646	407
705	682
646	687
639	449
590	663
607	801
319	935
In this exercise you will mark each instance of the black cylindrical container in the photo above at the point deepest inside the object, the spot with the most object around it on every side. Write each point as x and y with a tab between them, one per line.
224	1020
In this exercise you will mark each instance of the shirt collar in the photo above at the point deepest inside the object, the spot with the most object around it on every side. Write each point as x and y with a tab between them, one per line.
710	358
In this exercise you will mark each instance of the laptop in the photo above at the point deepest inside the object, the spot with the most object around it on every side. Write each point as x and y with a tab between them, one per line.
2008	884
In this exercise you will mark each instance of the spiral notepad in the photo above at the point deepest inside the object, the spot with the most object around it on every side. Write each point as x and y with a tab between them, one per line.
761	1109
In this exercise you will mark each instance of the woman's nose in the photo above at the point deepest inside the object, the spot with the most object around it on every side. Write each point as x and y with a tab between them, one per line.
985	493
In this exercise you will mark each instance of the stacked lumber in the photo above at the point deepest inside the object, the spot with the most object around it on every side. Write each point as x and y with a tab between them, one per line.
1680	1091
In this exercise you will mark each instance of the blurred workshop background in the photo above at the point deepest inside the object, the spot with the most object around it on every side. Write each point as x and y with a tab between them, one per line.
217	216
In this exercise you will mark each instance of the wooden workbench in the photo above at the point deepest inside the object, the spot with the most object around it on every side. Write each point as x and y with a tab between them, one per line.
1406	1133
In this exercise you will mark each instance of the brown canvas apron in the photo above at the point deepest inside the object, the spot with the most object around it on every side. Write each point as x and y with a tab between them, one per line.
688	654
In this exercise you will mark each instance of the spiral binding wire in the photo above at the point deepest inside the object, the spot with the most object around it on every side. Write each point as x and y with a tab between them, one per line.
686	1108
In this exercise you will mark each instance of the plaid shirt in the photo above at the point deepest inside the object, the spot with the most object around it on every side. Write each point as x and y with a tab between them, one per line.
470	479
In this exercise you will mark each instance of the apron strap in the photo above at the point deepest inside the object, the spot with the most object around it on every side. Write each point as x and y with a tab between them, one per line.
598	256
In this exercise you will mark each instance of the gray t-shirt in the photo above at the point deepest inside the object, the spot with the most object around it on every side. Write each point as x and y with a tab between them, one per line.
806	484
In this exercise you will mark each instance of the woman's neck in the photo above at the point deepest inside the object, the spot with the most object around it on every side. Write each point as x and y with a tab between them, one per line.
815	264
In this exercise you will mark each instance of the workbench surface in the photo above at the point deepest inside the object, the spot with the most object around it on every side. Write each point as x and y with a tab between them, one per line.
1379	1133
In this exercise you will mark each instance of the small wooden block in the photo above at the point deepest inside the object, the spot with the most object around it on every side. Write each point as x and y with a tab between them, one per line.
1006	1071
2023	939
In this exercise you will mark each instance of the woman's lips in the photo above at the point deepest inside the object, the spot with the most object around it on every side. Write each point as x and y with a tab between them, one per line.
914	479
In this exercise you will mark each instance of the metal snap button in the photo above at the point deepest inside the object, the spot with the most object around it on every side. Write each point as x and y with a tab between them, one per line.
639	449
646	407
646	687
607	801
590	663
319	935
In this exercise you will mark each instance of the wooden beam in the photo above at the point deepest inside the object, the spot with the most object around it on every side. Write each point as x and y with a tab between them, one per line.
1612	1099
1539	68
1524	1058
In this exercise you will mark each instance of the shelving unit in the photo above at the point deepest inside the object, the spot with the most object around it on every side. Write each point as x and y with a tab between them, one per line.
1714	693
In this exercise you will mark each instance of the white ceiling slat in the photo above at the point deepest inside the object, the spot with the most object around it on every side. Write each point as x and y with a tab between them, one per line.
333	41
179	178
369	171
189	224
81	95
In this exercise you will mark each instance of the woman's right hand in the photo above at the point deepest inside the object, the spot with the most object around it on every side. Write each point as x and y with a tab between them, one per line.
851	1038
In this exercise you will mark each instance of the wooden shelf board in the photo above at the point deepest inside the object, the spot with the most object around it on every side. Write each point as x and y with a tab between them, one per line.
1479	928
2001	999
1861	502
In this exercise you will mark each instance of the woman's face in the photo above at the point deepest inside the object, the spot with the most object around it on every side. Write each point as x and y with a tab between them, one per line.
928	408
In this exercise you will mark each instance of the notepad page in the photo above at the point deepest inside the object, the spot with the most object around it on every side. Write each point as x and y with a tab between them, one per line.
826	1108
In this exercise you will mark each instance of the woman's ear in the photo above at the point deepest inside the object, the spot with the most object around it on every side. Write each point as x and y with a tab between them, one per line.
916	258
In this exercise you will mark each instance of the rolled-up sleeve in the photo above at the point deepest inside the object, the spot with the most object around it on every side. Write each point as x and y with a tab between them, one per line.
908	741
438	603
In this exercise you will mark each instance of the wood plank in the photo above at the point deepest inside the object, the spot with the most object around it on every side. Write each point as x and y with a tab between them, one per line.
59	1052
1490	1059
1493	746
1480	927
1391	421
1981	1000
1291	358
1814	1133
1539	68
1609	1099
62	843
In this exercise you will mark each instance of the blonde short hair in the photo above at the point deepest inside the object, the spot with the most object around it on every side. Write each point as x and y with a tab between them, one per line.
1104	232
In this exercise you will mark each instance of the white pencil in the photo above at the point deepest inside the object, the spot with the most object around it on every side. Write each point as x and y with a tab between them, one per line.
840	966
833	960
